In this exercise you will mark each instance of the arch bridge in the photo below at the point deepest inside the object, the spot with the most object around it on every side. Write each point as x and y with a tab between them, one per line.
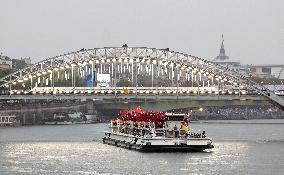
130	70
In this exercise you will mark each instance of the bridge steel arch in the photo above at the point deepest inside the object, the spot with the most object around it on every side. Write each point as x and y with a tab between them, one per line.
175	63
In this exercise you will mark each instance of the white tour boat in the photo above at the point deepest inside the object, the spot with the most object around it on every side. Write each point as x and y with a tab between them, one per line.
155	131
59	119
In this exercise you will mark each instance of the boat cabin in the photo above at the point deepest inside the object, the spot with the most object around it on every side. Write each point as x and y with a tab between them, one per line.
176	124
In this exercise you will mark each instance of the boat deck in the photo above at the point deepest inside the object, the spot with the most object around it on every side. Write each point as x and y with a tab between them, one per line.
157	144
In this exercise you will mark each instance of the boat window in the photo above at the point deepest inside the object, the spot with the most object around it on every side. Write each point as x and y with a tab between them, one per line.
175	118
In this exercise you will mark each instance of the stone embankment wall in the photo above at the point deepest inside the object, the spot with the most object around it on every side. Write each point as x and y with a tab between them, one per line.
34	113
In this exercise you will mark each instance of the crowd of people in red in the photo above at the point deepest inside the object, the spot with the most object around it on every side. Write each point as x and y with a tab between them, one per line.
158	118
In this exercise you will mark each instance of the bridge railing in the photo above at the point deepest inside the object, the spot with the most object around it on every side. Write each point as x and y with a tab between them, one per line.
133	90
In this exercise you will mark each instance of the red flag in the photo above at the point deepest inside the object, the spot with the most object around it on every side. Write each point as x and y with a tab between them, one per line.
138	111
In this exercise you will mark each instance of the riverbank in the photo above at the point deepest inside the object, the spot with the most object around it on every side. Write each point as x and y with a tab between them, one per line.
252	121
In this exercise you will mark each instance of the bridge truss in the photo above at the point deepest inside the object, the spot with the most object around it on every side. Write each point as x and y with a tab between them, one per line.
161	67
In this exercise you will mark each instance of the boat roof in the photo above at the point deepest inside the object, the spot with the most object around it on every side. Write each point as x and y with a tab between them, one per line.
11	116
168	114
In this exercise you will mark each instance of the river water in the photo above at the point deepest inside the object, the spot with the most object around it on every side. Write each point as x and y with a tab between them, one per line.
241	147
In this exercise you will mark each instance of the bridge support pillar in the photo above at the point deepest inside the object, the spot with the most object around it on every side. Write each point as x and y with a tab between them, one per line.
34	119
24	119
90	107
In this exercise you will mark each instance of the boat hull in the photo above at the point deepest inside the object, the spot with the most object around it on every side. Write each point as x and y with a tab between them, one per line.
158	144
60	123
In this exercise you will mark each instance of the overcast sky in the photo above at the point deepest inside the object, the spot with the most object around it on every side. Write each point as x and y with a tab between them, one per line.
253	29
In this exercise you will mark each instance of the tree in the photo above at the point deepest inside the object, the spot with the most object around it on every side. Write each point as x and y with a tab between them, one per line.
5	72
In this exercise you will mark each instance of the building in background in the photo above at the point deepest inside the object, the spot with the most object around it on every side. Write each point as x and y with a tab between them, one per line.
27	60
21	63
267	71
224	60
5	62
260	71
